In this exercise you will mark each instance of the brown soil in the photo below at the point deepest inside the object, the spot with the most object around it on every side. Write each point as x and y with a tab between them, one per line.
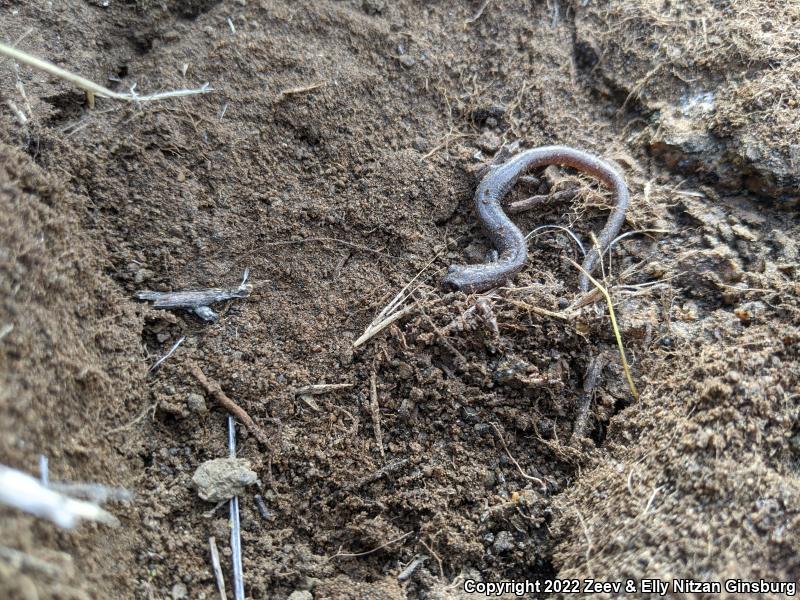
335	198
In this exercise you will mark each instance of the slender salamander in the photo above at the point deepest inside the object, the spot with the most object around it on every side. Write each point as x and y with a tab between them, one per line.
508	239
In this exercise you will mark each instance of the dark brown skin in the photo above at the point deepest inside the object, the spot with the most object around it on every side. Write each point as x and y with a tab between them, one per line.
508	239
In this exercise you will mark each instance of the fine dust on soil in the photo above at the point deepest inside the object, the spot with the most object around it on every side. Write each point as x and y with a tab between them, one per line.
335	198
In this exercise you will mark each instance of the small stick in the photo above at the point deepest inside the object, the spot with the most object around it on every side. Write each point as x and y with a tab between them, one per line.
387	469
593	371
212	542
614	326
375	411
412	566
355	554
436	556
379	325
262	507
166	356
391	312
197	301
321	388
514	460
589	542
236	532
299	90
213	388
537	310
652	497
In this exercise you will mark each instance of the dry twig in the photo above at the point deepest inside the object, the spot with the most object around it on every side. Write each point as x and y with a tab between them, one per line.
213	388
166	356
593	371
614	326
392	311
355	554
215	565
302	89
514	460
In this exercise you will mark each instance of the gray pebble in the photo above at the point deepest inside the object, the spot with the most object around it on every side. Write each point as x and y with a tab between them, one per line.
196	403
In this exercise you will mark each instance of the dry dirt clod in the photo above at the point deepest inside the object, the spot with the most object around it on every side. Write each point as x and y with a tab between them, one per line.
221	479
196	403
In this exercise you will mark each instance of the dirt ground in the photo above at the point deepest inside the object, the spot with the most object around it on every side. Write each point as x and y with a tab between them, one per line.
336	158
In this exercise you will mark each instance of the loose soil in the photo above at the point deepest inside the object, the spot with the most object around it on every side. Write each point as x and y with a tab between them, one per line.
335	159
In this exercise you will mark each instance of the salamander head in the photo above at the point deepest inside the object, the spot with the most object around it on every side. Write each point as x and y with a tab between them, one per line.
470	279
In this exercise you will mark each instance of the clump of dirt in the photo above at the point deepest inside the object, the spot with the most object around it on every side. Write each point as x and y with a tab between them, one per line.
490	437
714	80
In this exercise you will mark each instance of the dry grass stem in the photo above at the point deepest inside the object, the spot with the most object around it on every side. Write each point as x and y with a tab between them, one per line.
213	388
384	545
392	311
302	89
321	388
614	326
514	460
91	88
217	568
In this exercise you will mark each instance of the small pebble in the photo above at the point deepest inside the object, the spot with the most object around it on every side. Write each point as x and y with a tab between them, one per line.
301	595
483	429
489	141
179	591
196	403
